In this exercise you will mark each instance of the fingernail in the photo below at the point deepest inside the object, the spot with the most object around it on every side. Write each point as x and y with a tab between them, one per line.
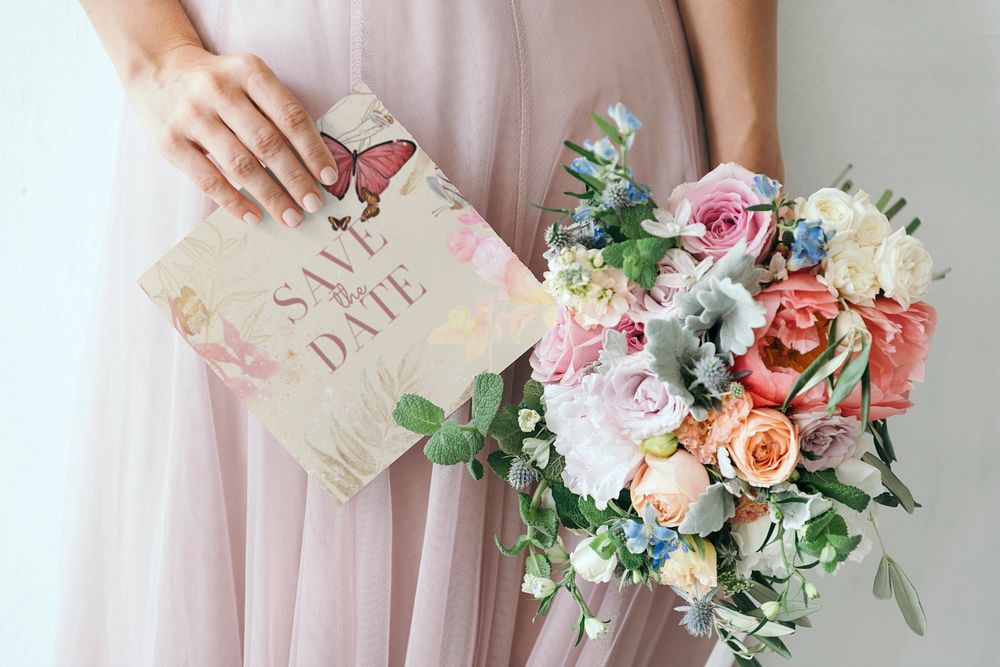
291	217
328	176
311	202
251	218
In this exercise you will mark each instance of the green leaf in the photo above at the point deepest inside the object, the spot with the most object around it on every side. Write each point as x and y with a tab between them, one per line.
568	506
631	218
499	463
518	546
895	208
595	516
887	499
884	200
614	254
810	370
891	482
417	414
866	395
882	588
883	442
543	520
506	431
449	445
759	207
629	560
475	469
532	396
907	599
607	128
849	377
590	181
777	646
709	512
538	565
581	151
913	226
826	482
487	392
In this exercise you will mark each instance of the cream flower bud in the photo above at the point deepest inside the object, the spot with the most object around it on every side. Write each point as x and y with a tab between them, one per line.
590	565
771	609
595	627
539	587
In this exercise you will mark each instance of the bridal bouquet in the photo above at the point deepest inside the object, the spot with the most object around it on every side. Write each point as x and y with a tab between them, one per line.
710	411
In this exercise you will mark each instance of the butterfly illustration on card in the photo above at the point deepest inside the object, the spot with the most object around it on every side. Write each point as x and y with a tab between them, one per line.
371	170
338	224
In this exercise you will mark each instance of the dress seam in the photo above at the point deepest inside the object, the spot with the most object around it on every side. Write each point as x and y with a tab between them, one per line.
523	110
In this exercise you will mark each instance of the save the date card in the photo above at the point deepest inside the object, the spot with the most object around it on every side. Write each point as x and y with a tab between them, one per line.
396	285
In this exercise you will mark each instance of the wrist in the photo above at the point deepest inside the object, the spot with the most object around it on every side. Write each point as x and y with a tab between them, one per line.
149	63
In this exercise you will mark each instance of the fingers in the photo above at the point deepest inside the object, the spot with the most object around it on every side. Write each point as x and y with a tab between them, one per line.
237	160
189	159
269	146
290	117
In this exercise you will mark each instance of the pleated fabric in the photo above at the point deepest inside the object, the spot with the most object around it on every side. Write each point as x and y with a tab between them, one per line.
193	538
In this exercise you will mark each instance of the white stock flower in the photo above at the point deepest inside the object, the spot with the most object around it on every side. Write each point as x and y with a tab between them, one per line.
527	419
596	293
905	269
538	587
589	564
849	269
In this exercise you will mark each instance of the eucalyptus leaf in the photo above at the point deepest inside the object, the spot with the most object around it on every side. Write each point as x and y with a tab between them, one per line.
709	512
849	377
907	599
882	588
891	482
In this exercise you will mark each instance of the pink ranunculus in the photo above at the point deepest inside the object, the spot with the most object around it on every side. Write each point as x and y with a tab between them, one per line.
900	339
491	258
800	304
718	201
462	243
566	351
634	332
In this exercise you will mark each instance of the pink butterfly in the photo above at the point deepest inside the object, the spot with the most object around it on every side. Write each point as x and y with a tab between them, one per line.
372	168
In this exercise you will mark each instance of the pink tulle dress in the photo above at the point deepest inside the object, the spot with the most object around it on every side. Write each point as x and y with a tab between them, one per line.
194	538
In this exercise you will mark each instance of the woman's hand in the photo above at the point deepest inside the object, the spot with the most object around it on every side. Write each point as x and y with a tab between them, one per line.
232	108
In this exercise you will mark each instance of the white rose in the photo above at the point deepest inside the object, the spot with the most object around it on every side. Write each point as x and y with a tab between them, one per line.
872	227
749	537
849	268
904	268
589	564
839	212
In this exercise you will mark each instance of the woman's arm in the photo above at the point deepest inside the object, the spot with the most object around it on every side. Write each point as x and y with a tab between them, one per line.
196	104
734	49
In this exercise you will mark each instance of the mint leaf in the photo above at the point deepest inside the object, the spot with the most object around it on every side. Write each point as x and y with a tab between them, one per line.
567	506
507	432
499	463
475	469
542	519
518	546
532	396
448	445
629	560
595	516
614	254
417	414
487	392
538	565
630	220
826	482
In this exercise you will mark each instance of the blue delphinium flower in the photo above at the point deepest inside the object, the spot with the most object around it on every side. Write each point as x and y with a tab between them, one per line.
625	120
649	536
638	193
602	148
584	212
808	245
582	165
767	186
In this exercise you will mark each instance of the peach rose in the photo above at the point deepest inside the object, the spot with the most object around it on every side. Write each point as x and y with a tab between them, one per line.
670	484
767	449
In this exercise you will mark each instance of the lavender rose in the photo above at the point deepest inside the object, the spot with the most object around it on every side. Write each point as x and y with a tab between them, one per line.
638	400
718	201
832	439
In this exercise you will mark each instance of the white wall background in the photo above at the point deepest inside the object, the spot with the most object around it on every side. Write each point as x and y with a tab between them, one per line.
907	91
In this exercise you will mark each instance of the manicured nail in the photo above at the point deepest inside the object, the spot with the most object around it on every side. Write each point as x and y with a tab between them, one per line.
291	217
311	202
328	176
251	218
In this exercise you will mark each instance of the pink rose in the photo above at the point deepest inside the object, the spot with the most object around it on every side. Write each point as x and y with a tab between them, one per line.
491	258
634	333
462	243
638	400
828	441
900	339
670	485
717	201
566	351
